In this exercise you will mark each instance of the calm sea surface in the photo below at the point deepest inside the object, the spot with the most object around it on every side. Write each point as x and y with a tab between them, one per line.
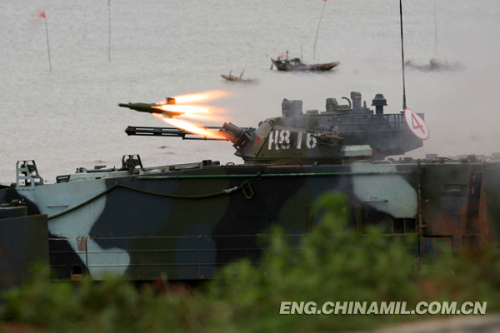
64	113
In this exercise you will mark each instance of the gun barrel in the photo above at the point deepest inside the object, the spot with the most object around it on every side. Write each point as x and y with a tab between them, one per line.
170	131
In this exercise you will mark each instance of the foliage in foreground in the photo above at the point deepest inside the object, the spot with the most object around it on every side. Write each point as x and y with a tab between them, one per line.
334	263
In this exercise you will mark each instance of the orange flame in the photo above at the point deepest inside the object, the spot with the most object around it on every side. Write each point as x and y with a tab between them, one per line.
199	112
194	111
201	117
182	108
189	127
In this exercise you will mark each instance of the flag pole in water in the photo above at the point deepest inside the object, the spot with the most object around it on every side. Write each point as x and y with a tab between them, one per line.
109	30
435	29
317	31
42	15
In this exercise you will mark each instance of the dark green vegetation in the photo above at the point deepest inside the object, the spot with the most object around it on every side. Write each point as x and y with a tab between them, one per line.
332	264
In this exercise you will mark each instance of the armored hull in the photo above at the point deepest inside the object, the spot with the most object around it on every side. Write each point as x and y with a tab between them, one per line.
186	221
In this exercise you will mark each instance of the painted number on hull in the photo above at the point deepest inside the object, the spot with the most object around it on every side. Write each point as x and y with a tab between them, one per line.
417	125
281	140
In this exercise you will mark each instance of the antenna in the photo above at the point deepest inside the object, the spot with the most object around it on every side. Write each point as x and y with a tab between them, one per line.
317	30
402	53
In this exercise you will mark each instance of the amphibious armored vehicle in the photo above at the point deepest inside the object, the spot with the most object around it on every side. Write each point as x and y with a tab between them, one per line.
185	221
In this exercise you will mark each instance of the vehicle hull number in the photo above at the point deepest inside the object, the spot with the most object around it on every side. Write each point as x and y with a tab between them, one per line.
281	139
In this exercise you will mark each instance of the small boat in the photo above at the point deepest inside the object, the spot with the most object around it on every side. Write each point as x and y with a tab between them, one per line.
296	65
435	66
231	77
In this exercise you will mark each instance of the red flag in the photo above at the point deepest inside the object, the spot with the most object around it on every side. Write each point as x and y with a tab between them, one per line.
42	14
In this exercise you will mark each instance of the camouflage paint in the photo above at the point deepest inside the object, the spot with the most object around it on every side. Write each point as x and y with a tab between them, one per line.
184	224
23	243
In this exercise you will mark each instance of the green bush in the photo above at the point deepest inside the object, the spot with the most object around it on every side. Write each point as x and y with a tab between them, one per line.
470	275
333	263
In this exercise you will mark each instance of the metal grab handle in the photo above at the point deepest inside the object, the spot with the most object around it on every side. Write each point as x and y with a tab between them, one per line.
248	191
